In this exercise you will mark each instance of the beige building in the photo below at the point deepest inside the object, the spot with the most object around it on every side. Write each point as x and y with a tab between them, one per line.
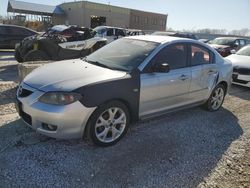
88	14
91	14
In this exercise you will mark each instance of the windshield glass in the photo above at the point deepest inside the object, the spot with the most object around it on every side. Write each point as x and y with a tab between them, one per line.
122	54
99	30
222	41
244	51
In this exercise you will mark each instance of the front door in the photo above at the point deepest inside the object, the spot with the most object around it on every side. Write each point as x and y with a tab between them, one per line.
162	91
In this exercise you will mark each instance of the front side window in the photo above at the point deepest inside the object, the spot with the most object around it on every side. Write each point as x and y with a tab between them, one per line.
174	55
119	32
242	42
237	42
110	32
200	55
124	54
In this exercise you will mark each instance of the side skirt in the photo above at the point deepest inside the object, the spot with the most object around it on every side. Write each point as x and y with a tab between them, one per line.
162	113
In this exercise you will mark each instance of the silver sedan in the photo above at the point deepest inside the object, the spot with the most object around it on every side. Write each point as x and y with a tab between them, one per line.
130	79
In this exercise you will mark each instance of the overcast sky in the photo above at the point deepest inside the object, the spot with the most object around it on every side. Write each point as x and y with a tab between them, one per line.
182	14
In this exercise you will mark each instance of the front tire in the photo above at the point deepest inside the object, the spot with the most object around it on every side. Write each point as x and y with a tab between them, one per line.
216	98
108	124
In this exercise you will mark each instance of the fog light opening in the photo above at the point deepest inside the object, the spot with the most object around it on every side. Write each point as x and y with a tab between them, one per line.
49	127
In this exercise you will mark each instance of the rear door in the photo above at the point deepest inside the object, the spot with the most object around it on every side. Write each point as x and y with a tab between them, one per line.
164	91
3	36
204	72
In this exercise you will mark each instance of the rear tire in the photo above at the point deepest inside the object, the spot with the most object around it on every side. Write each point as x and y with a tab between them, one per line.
36	55
108	124
216	98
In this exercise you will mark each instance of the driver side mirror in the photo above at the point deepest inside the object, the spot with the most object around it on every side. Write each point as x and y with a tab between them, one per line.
163	68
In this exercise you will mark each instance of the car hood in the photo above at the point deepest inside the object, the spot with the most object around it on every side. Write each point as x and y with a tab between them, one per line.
217	46
69	75
239	60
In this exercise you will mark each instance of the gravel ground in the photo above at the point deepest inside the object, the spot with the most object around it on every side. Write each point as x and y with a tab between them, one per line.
190	148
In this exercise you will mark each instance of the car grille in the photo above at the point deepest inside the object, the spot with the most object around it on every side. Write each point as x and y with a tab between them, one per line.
22	92
241	70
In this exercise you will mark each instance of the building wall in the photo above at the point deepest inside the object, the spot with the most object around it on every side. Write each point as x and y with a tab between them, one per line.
57	20
147	20
79	13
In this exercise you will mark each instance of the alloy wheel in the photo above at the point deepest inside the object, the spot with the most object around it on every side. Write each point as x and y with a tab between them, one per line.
110	125
217	98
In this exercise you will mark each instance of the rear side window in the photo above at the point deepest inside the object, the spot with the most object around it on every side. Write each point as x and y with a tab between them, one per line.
200	55
15	31
3	30
119	32
26	32
174	55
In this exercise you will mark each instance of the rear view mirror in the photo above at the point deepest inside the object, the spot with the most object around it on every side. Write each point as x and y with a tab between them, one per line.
164	67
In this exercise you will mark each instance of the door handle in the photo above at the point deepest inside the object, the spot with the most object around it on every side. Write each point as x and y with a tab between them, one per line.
183	77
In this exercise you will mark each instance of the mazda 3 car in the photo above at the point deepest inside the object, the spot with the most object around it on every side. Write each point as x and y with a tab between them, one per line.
130	79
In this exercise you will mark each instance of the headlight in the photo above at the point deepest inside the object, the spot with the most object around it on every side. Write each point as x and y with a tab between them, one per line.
59	98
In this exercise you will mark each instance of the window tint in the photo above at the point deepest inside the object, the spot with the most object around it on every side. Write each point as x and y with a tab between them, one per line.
3	30
14	31
200	55
174	55
110	32
242	42
237	42
119	32
25	32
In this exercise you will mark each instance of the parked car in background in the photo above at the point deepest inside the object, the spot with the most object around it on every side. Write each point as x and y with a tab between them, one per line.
130	79
176	34
110	33
10	35
134	32
241	66
224	45
204	40
58	43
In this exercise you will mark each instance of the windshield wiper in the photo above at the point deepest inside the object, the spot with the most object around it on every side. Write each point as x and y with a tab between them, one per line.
96	63
101	65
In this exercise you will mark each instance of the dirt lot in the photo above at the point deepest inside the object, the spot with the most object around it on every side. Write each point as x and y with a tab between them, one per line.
191	148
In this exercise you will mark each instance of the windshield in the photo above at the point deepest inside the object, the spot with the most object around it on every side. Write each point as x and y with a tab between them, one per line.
222	41
244	51
122	54
99	30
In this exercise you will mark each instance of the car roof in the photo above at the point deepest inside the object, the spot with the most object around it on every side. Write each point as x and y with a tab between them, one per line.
9	25
108	27
159	39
